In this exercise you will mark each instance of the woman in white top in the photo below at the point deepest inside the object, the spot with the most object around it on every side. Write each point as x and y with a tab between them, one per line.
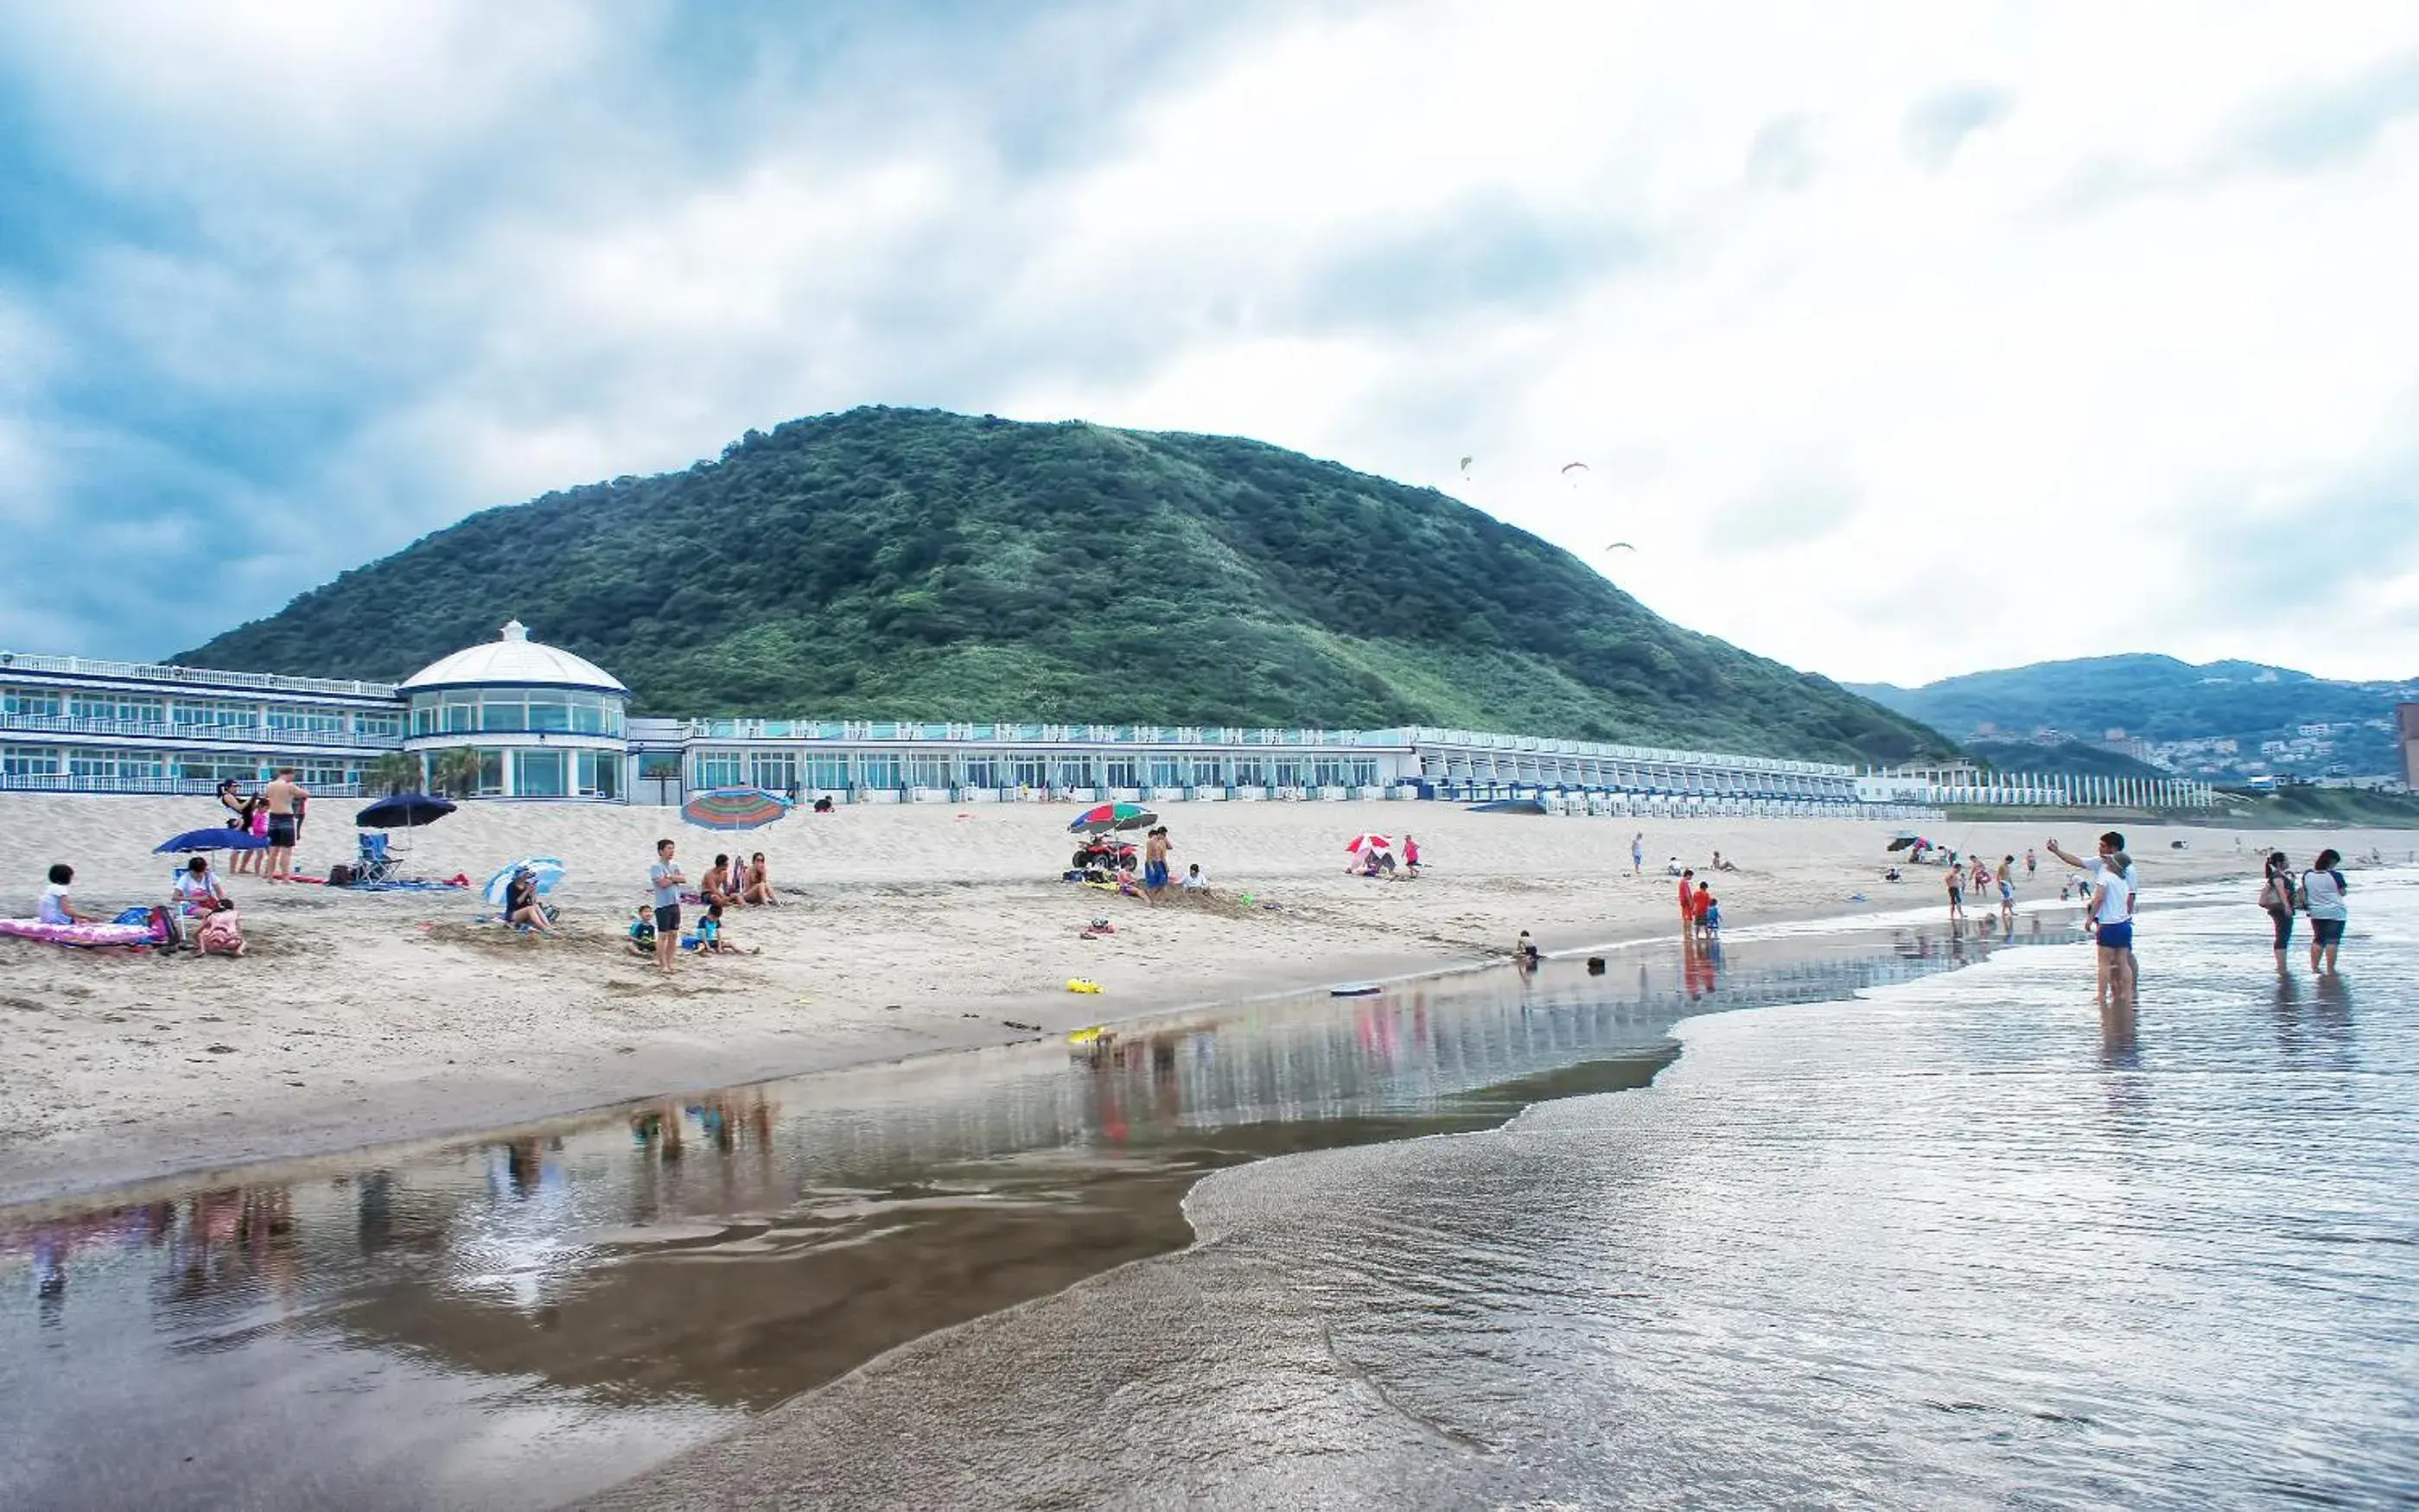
2322	899
197	890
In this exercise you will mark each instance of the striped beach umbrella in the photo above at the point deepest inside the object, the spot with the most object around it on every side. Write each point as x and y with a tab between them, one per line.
1360	843
733	808
1103	816
544	870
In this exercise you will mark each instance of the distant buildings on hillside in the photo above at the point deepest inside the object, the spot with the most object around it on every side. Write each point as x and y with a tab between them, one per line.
2366	752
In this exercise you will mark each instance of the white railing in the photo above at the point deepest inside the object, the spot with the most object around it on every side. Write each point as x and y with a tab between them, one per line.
260	735
172	786
88	666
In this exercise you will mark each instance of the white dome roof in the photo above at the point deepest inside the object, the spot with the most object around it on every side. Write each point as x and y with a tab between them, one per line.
514	658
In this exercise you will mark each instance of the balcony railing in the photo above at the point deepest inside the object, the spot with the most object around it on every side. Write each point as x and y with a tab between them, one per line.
255	735
88	666
169	786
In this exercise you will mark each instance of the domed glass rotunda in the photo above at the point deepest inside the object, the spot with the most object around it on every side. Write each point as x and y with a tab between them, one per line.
544	724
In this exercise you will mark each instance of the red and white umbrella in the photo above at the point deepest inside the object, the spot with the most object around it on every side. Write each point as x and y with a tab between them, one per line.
1360	843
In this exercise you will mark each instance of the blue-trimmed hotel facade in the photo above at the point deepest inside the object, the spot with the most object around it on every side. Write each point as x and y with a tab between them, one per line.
547	724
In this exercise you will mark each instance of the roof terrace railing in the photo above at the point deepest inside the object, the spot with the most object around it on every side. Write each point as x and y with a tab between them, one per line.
87	666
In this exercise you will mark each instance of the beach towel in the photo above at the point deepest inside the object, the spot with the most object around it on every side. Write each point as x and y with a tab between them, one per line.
86	935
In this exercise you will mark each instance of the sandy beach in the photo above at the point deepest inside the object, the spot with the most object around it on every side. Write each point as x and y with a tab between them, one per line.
363	1017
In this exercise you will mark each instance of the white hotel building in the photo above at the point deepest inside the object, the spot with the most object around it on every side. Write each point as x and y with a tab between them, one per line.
549	725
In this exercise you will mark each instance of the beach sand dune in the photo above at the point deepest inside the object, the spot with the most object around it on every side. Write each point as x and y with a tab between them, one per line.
363	1017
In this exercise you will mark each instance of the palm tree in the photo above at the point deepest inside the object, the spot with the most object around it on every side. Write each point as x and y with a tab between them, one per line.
457	771
393	773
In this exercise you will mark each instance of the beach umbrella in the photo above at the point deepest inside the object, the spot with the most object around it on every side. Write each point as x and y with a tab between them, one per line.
733	808
402	811
547	871
1103	817
1905	840
221	838
1368	842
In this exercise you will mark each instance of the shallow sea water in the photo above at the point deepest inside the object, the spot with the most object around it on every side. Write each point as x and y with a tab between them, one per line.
1881	1235
518	1320
1958	1242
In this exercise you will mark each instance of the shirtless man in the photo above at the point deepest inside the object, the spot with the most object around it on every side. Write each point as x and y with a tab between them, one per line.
1154	862
285	798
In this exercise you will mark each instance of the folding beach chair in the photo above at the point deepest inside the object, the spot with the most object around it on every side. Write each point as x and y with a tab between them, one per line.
374	864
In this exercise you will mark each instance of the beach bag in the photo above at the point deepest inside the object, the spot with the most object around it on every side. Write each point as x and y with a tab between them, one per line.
2276	897
340	875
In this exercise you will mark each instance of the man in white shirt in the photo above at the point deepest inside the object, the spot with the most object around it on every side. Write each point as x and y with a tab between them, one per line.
2113	896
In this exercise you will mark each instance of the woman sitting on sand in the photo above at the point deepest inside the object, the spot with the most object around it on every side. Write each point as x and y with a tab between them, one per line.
758	885
521	908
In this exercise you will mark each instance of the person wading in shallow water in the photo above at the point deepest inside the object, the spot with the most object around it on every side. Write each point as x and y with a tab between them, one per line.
2113	896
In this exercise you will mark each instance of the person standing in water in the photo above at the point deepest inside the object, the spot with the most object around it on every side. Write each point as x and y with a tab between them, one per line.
2322	899
1956	892
1687	902
2006	889
2277	896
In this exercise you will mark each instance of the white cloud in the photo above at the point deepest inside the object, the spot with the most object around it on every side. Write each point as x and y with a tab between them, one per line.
1887	342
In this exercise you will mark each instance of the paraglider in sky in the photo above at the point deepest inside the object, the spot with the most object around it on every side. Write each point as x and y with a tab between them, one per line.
1465	464
1570	468
1620	546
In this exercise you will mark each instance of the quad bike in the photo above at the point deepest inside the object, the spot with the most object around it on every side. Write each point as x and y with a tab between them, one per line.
1104	853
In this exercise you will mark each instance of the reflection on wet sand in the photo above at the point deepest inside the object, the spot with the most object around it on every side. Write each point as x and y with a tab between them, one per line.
725	1252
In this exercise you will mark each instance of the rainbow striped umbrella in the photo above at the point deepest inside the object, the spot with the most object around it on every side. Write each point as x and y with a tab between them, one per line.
1105	817
733	808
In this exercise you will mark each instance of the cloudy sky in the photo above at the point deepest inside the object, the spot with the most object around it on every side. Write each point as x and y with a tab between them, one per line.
1900	343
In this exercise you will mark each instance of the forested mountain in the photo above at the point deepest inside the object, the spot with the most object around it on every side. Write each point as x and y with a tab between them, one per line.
2159	699
920	564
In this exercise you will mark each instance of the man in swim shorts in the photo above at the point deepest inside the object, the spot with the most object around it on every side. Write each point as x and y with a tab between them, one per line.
1154	862
664	883
285	798
2113	894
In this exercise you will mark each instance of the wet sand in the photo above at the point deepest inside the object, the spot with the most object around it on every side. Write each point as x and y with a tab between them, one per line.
542	1313
362	1018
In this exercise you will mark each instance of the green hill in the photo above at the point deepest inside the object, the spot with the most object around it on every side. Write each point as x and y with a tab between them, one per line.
2160	698
919	564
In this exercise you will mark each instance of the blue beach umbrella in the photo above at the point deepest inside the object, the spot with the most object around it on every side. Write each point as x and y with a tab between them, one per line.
221	838
545	870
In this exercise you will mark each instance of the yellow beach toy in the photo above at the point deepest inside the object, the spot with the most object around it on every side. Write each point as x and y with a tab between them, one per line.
1085	1036
1077	984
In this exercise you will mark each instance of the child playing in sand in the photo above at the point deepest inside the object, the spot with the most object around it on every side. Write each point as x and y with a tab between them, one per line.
56	908
1193	880
1524	951
1709	911
642	933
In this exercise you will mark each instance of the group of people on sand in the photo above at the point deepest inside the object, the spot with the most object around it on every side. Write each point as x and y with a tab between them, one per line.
274	813
197	903
1987	880
1379	860
728	884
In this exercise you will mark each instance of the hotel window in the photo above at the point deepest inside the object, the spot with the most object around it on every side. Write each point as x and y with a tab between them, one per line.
496	715
33	702
600	774
719	768
1122	773
28	761
1165	774
827	774
492	774
367	723
218	768
880	772
460	715
285	721
538	774
325	774
1364	774
548	713
776	772
1204	772
982	772
927	772
1032	771
214	716
111	706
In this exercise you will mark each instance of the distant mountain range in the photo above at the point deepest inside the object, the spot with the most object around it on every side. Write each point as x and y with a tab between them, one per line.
914	564
2169	703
